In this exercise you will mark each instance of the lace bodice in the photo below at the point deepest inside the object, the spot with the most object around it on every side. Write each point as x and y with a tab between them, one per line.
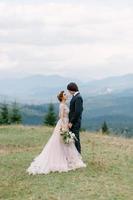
63	111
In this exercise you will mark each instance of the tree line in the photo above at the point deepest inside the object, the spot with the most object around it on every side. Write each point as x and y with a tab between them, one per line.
12	115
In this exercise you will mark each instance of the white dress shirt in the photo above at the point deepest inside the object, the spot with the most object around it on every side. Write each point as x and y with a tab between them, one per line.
76	93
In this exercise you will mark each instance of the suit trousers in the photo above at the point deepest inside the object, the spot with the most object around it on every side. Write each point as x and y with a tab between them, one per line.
75	129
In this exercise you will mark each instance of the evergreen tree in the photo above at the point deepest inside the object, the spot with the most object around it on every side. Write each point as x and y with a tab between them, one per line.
0	118
4	114
15	114
50	118
105	129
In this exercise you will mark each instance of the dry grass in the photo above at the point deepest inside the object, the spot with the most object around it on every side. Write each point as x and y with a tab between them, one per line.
108	175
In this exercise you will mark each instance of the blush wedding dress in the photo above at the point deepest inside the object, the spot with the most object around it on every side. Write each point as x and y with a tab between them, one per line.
57	156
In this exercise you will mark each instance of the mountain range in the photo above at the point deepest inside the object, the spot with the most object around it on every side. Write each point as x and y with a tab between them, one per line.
34	89
42	89
109	99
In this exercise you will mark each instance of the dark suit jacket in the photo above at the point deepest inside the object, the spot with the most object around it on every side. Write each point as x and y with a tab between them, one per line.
76	109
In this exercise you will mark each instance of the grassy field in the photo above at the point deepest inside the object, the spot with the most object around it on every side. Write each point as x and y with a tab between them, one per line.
108	176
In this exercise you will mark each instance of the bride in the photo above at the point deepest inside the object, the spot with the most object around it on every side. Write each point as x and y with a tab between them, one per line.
57	156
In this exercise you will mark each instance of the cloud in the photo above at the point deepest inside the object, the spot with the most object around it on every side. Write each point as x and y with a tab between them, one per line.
75	38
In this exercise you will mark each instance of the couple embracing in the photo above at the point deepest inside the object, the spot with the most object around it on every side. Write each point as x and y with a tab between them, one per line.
58	156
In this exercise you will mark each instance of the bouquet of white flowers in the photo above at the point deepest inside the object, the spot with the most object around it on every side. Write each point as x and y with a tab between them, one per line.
67	136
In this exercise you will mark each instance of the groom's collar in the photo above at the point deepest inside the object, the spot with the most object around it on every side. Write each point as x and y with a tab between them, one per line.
76	93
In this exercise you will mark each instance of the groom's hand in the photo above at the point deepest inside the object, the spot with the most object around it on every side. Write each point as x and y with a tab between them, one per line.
69	125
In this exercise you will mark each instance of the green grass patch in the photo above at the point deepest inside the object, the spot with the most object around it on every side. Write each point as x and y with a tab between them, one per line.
108	175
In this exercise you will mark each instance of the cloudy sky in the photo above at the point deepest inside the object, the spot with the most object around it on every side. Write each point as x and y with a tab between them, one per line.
83	39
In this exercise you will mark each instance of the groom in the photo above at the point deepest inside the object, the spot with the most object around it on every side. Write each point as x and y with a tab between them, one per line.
75	114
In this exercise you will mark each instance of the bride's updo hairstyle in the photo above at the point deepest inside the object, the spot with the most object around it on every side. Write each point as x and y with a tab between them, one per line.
60	96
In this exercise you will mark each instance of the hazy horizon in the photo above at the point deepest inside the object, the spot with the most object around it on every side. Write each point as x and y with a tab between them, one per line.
77	39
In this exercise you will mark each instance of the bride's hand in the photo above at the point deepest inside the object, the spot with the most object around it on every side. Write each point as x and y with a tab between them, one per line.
69	125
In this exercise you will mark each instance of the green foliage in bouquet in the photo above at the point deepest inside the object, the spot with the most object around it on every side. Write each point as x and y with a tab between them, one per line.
68	137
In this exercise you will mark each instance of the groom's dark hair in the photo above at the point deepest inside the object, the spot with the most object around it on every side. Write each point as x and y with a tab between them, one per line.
72	87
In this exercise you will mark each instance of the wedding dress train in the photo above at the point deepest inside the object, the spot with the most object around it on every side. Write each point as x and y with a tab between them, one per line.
57	156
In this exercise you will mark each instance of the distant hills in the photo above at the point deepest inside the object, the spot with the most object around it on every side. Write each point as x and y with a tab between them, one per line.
111	85
34	89
109	99
42	89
